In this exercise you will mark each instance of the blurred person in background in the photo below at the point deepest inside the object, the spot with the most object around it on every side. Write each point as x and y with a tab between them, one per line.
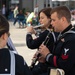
21	19
29	18
15	12
4	10
36	9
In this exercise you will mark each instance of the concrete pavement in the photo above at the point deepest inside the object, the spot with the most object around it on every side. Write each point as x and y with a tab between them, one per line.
18	37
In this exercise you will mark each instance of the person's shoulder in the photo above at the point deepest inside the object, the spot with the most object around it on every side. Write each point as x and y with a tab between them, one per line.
19	59
20	62
70	35
45	32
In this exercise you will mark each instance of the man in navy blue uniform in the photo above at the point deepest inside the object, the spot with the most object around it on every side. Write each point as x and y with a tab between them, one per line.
63	53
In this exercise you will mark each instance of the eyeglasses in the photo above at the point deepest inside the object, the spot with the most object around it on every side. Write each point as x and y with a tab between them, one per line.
8	34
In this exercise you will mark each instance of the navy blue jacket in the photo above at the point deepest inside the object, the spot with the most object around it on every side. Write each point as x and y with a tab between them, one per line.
63	55
35	43
21	67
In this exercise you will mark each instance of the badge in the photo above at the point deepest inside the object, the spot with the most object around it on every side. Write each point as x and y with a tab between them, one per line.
65	56
66	50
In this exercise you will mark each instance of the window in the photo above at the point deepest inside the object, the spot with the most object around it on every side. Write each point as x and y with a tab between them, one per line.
14	1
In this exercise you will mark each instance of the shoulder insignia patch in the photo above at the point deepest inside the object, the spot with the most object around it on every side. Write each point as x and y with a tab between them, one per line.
65	56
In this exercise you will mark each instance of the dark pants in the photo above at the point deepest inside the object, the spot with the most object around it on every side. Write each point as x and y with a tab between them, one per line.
40	69
22	21
15	20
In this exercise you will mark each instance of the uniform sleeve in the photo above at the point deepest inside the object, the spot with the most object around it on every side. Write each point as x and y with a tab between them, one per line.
65	60
35	43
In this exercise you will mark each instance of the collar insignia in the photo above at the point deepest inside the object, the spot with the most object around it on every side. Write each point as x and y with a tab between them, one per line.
62	40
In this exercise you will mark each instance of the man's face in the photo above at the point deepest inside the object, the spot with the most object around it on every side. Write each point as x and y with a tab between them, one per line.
56	22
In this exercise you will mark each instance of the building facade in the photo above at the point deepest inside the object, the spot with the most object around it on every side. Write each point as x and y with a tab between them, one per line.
69	3
30	4
8	3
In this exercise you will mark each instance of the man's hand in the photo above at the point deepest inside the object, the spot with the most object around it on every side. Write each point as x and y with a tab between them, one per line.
44	51
35	55
40	58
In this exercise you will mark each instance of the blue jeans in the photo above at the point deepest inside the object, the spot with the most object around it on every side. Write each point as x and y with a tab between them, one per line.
22	21
15	20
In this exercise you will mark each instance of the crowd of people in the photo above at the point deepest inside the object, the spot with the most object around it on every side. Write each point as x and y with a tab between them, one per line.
21	16
24	18
55	44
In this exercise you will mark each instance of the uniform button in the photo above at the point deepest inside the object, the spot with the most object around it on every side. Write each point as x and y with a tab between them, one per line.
6	69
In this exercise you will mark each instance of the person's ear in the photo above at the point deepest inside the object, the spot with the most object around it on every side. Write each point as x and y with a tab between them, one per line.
4	36
63	19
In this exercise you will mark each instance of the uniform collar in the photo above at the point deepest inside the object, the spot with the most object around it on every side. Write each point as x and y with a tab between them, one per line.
68	28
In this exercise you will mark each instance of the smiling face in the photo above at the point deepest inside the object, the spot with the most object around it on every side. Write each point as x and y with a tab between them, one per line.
44	20
56	22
